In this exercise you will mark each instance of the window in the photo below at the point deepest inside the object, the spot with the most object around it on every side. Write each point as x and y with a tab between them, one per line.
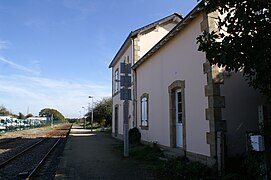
179	106
144	111
116	80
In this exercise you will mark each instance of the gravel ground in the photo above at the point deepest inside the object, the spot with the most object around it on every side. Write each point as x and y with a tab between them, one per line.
27	162
47	171
27	133
10	149
13	142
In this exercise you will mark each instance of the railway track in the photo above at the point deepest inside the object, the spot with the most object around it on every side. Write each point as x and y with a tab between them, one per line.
9	140
14	146
27	163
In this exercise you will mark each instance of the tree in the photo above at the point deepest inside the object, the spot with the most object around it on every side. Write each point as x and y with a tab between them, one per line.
49	112
29	115
4	111
245	43
21	116
102	111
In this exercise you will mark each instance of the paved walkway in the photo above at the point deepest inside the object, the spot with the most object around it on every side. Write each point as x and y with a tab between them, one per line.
91	156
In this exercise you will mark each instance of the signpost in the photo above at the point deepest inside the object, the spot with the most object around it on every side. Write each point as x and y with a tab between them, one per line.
125	94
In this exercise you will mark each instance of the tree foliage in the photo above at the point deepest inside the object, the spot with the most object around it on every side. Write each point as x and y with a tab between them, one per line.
102	111
4	111
21	116
244	40
29	115
49	112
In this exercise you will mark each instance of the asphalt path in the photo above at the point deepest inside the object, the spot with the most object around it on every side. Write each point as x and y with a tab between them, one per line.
93	155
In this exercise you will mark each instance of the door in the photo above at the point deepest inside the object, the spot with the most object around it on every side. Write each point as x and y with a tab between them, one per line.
179	118
116	120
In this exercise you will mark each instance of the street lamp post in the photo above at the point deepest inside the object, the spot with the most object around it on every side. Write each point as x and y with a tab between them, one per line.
84	118
80	115
91	97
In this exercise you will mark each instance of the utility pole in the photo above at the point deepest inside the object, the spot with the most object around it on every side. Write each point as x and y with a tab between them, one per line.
125	94
84	118
91	97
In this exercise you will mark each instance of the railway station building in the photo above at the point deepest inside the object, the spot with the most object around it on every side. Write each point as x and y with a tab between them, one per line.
179	100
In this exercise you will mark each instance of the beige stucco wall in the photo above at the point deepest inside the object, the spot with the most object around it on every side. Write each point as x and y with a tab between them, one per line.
145	43
148	40
240	112
177	60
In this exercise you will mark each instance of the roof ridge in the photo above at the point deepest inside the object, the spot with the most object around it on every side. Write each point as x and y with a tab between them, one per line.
135	32
157	22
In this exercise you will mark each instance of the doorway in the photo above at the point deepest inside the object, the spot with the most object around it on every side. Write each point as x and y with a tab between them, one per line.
116	112
177	114
179	118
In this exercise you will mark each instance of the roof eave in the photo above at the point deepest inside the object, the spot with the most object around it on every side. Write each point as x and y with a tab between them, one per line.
122	48
140	30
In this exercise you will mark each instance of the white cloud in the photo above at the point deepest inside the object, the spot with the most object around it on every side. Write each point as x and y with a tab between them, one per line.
18	92
19	67
37	24
85	8
4	44
82	9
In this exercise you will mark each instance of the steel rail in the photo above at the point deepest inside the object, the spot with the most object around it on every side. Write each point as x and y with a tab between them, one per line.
17	155
43	159
30	175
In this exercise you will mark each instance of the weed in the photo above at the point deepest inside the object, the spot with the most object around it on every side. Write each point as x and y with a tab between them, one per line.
182	168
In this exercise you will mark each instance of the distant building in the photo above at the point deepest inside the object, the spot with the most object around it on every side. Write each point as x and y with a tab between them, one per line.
38	118
5	117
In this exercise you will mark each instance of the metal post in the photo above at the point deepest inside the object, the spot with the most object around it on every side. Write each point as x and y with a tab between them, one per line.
84	118
91	112
126	112
125	129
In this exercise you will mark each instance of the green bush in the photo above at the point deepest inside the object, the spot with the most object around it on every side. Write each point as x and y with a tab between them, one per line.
145	153
249	166
134	136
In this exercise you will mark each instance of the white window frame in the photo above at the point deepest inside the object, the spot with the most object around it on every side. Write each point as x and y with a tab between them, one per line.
116	78
144	107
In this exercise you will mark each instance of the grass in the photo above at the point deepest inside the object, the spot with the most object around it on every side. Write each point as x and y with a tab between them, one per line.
175	168
145	155
180	167
98	128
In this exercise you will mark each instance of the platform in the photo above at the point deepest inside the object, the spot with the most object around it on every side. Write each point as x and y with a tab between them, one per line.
92	155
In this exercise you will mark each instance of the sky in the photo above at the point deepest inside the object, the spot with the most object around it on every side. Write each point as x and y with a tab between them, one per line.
56	53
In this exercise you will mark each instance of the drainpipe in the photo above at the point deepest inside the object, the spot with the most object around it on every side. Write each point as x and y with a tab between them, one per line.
135	97
134	102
